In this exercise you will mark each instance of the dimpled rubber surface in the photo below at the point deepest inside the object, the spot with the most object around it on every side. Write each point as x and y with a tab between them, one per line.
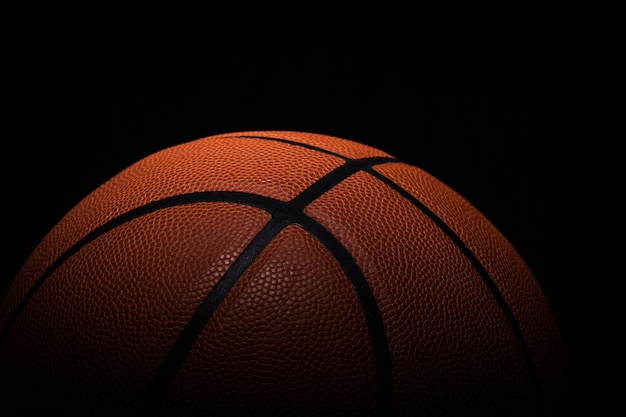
277	273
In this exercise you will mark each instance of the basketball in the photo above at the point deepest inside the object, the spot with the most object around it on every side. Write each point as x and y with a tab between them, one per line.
277	273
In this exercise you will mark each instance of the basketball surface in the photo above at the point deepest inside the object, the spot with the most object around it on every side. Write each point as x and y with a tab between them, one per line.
277	273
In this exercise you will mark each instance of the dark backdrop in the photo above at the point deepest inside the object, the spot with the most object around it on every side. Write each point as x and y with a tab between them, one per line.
481	116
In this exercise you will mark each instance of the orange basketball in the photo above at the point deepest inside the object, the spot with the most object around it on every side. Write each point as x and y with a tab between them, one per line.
277	273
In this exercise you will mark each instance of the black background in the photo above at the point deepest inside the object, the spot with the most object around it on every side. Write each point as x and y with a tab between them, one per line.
485	114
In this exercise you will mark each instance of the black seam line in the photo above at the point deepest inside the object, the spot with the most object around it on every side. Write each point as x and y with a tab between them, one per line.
198	197
492	287
176	356
371	312
171	364
292	142
284	214
334	177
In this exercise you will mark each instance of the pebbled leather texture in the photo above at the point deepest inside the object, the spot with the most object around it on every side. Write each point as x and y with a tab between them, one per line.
277	273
